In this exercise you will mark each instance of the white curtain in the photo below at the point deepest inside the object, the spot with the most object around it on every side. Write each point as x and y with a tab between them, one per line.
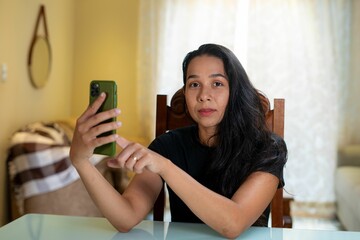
292	49
299	50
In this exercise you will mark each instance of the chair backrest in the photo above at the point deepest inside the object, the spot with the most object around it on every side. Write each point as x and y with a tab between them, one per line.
175	116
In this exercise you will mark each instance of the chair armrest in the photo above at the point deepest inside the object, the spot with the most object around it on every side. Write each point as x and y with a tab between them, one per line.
349	156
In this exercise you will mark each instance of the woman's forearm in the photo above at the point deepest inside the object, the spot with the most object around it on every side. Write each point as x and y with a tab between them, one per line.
229	217
116	208
213	209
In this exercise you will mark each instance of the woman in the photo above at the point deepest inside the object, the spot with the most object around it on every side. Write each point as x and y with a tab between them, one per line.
224	171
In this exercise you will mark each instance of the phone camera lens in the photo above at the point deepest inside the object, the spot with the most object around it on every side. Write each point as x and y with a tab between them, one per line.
95	90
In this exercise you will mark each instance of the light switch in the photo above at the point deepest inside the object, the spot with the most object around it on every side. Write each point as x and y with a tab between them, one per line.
4	72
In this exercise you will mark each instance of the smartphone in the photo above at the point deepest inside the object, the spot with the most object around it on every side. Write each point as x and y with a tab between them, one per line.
110	88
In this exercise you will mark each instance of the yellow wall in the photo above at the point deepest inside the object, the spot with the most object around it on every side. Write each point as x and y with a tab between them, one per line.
20	103
90	39
105	48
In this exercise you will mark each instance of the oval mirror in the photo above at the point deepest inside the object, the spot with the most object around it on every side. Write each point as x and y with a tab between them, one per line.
39	61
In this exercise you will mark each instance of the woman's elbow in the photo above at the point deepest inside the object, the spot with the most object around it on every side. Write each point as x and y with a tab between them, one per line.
233	229
123	227
232	234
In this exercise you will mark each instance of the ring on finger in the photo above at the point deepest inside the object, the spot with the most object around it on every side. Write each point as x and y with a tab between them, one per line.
135	158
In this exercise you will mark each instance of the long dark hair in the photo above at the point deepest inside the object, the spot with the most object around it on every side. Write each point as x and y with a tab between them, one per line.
243	142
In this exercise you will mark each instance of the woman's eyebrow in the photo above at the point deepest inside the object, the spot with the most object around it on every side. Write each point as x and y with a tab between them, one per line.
214	75
192	76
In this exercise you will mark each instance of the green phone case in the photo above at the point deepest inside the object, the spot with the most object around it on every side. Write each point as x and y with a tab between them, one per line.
110	88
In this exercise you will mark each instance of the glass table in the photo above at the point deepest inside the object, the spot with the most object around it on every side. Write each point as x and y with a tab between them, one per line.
42	226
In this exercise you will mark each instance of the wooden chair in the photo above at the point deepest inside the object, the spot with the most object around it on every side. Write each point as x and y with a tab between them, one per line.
175	116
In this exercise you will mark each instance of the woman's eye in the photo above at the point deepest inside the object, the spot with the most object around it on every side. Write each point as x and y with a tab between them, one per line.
218	84
194	84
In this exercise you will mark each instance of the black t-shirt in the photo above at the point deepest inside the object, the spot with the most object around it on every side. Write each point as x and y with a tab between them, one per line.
183	148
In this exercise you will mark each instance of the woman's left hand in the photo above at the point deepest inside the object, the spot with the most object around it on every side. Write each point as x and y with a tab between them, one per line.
135	157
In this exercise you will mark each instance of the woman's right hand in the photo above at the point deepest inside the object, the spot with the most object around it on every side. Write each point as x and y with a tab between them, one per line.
87	129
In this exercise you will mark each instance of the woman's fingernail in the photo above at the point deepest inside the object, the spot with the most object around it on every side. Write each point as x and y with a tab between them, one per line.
118	111
118	123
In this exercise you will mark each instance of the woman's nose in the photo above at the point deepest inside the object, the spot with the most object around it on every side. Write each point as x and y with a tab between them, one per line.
204	95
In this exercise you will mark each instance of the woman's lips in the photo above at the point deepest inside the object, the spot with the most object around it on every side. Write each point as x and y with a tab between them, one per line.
205	112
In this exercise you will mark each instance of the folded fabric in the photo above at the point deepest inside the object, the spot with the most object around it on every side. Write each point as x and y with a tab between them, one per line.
38	160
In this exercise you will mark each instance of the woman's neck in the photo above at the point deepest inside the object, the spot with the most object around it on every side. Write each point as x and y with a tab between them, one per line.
207	136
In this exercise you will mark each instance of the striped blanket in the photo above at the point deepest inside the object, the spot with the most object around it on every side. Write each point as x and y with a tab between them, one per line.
38	159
